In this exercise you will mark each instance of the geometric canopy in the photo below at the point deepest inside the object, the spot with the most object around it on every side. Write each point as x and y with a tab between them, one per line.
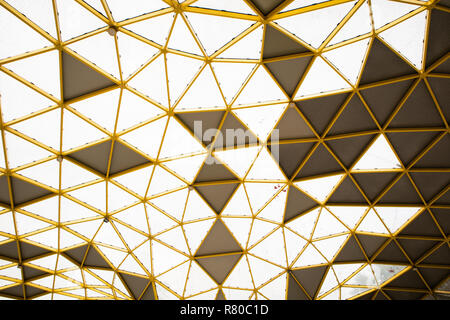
239	149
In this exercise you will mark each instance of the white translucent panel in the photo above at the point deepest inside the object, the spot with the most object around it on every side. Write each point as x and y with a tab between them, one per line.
90	280
198	280
46	173
349	215
44	128
40	12
136	180
395	217
21	151
130	265
304	224
274	211
134	109
172	203
187	167
238	204
45	281
384	272
209	295
73	175
296	4
151	81
174	238
276	289
131	237
74	20
252	92
133	53
272	248
345	270
99	49
237	294
133	8
108	236
240	228
261	120
62	296
259	230
163	181
349	59
47	262
203	94
372	223
17	37
231	76
118	198
94	195
4	283
164	258
320	188
310	256
239	160
196	208
11	272
77	132
155	29
249	47
294	245
385	11
176	279
178	141
116	257
164	294
364	277
41	70
321	78
19	100
97	5
379	156
265	168
143	256
46	238
347	292
230	5
260	193
7	223
147	138
181	38
358	24
67	239
180	71
135	217
262	271
330	247
70	211
327	225
196	233
329	283
216	31
314	26
101	108
158	221
408	38
61	283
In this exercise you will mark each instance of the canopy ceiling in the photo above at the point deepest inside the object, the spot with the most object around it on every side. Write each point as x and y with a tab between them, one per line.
110	189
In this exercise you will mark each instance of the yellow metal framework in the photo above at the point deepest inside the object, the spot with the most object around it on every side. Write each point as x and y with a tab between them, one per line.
169	111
